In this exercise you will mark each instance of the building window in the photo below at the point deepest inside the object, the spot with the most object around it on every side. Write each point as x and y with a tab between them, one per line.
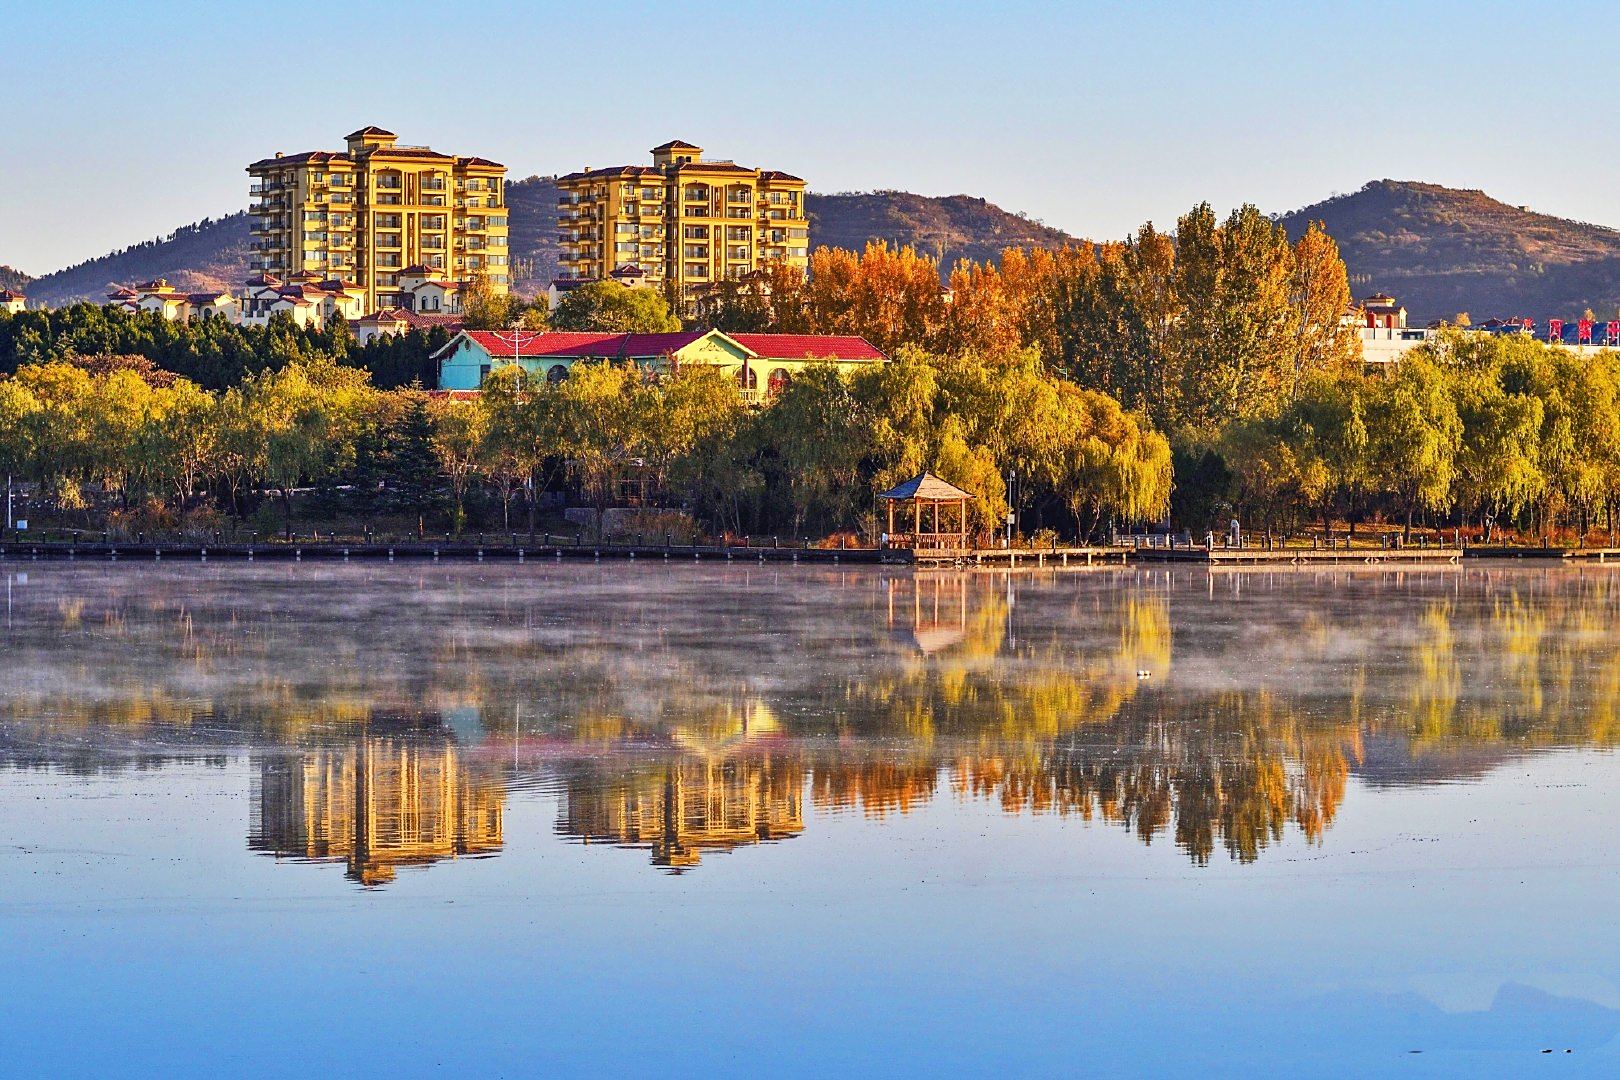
556	374
483	374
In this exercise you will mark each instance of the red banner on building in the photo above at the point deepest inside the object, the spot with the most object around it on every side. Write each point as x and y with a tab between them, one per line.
1555	329
1614	332
1583	331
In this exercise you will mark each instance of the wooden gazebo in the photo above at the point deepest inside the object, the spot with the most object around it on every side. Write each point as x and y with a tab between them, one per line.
927	496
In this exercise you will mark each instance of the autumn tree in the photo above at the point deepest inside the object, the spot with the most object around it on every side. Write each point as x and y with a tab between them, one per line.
611	308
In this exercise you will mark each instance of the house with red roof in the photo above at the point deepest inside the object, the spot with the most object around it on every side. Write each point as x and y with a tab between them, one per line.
12	302
386	322
159	297
305	297
762	364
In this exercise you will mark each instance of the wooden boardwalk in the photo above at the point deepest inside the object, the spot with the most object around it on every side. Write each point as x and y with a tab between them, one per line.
418	550
1258	556
1598	555
1009	558
1015	558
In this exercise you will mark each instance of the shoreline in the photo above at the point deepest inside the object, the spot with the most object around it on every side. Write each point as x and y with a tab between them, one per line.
1061	558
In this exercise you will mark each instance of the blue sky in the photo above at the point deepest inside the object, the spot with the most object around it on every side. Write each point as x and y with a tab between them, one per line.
1091	117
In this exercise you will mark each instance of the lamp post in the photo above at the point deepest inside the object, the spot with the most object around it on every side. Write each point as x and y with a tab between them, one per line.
1012	504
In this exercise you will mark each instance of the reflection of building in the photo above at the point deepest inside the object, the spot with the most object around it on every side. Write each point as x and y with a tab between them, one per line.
929	611
377	804
690	806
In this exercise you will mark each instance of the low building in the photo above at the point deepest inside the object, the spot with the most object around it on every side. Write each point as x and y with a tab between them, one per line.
12	302
161	298
158	297
425	289
387	322
762	364
305	297
1380	322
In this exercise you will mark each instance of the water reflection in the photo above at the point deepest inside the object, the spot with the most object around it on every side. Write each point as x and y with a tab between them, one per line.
684	807
376	804
690	711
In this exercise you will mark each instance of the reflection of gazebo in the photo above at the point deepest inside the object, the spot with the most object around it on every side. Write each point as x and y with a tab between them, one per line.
928	492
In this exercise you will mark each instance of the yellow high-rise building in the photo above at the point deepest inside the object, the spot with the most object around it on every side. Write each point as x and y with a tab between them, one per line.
685	222
377	209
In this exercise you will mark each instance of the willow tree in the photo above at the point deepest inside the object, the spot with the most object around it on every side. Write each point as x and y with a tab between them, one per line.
299	421
459	428
1413	436
599	435
17	405
1498	457
522	431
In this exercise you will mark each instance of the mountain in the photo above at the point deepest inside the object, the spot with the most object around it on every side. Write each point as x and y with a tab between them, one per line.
1442	250
949	228
214	254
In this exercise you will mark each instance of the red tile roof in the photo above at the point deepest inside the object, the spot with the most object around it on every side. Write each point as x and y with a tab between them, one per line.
424	320
640	345
544	343
614	170
675	144
536	343
384	315
805	346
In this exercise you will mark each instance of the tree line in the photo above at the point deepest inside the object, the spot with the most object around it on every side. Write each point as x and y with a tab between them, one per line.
1466	431
1219	321
121	437
1193	375
213	353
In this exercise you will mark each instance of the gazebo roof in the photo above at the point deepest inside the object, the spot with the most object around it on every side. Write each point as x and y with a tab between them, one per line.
925	486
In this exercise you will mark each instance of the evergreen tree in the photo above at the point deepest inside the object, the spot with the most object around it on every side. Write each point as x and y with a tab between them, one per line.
411	470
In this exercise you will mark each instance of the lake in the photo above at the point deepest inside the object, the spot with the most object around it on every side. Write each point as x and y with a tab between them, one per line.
734	819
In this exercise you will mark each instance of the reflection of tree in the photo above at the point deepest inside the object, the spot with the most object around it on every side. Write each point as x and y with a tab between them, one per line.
688	725
376	803
1236	771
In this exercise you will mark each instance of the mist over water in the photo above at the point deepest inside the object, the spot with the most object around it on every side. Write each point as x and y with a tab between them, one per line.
745	819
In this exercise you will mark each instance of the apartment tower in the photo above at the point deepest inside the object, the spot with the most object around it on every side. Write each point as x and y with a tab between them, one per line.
685	221
371	211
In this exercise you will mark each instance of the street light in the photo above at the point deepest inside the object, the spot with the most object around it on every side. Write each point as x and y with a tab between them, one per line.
1012	504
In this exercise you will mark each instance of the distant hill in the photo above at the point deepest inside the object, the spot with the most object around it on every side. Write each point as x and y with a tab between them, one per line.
1442	250
14	280
214	254
949	228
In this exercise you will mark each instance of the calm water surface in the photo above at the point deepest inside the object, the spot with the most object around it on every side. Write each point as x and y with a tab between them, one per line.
744	820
